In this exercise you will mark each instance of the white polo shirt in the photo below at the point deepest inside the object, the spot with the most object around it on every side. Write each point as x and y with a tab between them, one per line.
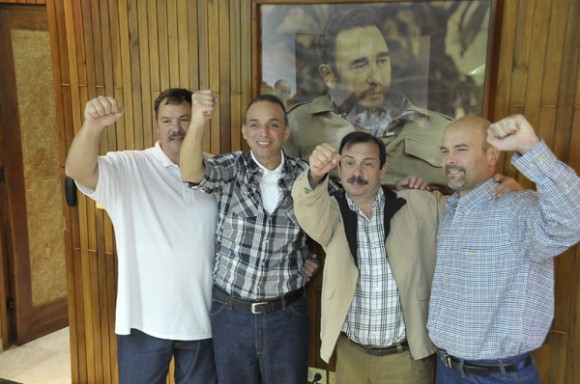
165	234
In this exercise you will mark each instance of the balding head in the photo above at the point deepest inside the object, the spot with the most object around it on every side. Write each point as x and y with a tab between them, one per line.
467	157
474	124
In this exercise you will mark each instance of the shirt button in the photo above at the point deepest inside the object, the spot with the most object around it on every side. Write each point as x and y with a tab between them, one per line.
471	253
566	185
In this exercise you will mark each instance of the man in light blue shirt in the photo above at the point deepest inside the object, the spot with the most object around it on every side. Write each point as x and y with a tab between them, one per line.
492	299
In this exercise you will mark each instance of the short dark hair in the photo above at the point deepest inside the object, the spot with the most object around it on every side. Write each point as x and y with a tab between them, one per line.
270	99
343	20
357	137
172	96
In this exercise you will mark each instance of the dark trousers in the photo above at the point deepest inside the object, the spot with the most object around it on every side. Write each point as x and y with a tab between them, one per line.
263	348
145	359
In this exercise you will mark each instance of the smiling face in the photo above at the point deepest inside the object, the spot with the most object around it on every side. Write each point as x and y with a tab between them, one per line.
360	170
265	131
363	67
468	160
172	124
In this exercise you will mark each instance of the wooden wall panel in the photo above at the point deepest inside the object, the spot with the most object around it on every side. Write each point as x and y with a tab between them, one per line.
133	49
29	2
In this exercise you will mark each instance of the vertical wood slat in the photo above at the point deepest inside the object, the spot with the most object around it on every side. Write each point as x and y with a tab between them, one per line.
224	76
236	40
193	51
538	30
203	59
125	134
145	100
163	44
183	43
173	43
104	59
213	75
153	48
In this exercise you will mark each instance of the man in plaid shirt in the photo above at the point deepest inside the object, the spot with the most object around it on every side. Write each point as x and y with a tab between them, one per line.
259	312
492	299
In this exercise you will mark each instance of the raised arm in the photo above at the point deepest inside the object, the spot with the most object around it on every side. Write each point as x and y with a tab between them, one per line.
81	162
513	133
553	220
323	159
191	155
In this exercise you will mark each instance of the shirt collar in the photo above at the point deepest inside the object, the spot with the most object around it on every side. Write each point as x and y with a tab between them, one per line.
160	156
266	171
378	203
476	197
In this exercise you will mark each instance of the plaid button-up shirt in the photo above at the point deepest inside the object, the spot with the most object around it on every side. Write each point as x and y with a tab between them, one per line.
258	254
375	317
493	289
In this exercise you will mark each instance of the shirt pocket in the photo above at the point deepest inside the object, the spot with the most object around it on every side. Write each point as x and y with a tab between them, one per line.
423	149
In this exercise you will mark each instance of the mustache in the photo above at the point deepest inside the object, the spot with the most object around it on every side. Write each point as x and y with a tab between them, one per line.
357	180
350	102
374	90
177	135
454	168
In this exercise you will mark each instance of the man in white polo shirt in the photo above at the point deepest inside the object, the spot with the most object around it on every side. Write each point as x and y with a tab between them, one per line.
165	236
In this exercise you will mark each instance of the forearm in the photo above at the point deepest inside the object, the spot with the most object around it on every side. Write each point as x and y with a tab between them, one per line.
81	161
191	156
312	209
558	189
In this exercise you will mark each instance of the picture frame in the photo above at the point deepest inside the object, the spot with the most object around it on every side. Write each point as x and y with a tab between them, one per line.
442	52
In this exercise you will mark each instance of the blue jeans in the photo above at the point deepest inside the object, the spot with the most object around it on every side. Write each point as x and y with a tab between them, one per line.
265	348
145	359
527	375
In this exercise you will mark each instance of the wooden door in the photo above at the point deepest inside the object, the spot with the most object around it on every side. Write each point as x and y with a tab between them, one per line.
33	270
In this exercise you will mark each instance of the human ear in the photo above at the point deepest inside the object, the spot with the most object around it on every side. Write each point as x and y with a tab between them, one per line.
327	75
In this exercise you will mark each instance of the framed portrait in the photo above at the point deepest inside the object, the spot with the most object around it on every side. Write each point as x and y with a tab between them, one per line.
440	51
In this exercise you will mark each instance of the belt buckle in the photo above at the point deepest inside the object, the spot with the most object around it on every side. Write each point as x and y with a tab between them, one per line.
259	308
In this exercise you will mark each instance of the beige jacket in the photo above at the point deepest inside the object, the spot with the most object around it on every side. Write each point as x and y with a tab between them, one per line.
410	249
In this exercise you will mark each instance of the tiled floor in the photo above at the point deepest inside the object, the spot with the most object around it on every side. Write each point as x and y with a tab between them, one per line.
42	361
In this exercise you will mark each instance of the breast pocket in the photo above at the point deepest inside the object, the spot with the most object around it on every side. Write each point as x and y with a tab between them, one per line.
423	149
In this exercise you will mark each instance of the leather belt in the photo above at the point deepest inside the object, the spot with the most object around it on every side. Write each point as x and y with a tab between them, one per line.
258	307
482	369
382	351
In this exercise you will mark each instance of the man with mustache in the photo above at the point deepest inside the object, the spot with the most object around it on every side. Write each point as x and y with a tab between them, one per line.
356	68
380	248
492	299
165	236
